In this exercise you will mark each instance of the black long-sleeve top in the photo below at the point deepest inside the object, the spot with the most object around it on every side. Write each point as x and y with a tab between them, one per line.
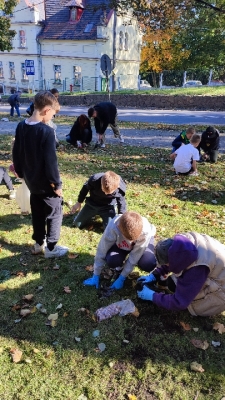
34	157
106	114
99	198
77	134
210	142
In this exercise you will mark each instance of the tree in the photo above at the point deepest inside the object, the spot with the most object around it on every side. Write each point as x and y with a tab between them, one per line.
6	34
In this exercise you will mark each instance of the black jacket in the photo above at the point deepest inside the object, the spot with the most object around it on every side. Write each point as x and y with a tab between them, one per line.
106	115
210	142
34	157
14	100
99	198
180	139
76	133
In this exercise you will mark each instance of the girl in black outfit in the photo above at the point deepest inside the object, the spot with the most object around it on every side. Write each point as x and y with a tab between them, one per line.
81	132
210	144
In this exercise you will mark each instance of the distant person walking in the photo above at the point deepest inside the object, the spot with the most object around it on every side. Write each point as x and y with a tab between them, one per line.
105	114
14	101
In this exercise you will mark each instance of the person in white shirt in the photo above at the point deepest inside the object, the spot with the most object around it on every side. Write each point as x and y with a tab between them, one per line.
186	157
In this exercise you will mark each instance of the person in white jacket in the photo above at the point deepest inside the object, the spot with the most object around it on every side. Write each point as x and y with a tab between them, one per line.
128	240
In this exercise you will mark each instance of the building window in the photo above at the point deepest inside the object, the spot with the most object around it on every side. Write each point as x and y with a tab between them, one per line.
121	41
126	41
22	39
57	73
73	14
1	70
77	75
12	74
23	71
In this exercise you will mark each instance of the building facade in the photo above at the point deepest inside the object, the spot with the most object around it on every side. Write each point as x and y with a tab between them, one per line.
61	43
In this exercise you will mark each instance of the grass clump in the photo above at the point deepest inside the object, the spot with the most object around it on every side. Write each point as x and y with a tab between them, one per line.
64	361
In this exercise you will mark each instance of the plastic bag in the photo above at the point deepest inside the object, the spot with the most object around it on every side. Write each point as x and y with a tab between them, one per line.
122	308
23	197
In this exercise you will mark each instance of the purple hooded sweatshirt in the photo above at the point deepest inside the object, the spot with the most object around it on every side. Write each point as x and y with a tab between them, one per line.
181	254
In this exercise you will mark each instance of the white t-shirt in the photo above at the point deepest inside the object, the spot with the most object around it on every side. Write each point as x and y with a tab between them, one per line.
185	155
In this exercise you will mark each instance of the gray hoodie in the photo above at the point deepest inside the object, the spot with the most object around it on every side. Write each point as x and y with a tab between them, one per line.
112	235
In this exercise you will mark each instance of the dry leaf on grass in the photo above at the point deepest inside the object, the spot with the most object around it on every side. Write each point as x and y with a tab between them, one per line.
16	355
2	288
186	327
196	367
53	317
136	312
89	268
67	289
219	327
28	297
25	312
73	255
131	397
59	306
200	344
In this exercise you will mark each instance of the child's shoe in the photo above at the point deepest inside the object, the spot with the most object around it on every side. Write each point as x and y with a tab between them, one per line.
58	251
37	249
121	139
12	194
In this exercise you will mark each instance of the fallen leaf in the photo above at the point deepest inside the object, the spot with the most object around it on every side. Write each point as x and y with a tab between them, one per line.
186	327
78	339
39	288
28	361
2	288
28	297
89	268
49	353
36	351
25	312
53	317
16	355
101	347
43	310
219	327
73	255
33	310
67	289
17	320
216	344
16	307
131	397
195	329
96	333
65	314
59	306
196	367
200	344
135	313
56	267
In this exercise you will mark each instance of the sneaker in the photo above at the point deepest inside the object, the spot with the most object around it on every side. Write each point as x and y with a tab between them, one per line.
121	139
102	146
79	145
58	251
37	249
12	194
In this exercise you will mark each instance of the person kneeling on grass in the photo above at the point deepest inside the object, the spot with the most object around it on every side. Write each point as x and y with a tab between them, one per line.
106	191
81	133
210	143
127	241
186	157
183	138
197	264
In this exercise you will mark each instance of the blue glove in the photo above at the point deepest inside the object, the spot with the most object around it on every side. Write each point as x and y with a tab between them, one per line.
118	284
147	279
146	293
94	281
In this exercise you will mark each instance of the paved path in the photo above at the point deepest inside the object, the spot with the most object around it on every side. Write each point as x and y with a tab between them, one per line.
133	137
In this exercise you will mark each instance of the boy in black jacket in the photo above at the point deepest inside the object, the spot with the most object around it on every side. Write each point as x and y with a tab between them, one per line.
35	161
105	114
106	190
14	101
210	144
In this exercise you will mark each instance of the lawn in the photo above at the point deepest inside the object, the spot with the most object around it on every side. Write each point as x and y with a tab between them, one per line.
146	357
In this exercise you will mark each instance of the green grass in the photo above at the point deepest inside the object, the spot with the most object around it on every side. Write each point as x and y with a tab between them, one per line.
155	363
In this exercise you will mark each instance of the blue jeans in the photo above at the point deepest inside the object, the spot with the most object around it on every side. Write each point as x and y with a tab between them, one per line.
17	108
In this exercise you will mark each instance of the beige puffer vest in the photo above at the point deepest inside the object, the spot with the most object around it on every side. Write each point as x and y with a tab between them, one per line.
211	298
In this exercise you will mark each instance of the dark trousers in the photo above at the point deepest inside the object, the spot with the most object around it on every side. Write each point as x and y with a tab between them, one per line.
46	213
213	155
17	110
116	257
5	178
91	210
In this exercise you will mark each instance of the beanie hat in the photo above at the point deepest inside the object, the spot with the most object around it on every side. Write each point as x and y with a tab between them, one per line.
161	251
210	129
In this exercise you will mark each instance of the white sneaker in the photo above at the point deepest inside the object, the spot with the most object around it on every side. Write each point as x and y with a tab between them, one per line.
121	139
37	249
58	251
12	194
102	146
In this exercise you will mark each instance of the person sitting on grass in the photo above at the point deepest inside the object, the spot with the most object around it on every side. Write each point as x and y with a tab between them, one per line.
197	282
183	138
81	133
210	143
106	191
186	157
127	241
5	178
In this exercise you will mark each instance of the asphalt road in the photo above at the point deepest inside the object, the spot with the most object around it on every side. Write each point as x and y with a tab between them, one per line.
176	117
